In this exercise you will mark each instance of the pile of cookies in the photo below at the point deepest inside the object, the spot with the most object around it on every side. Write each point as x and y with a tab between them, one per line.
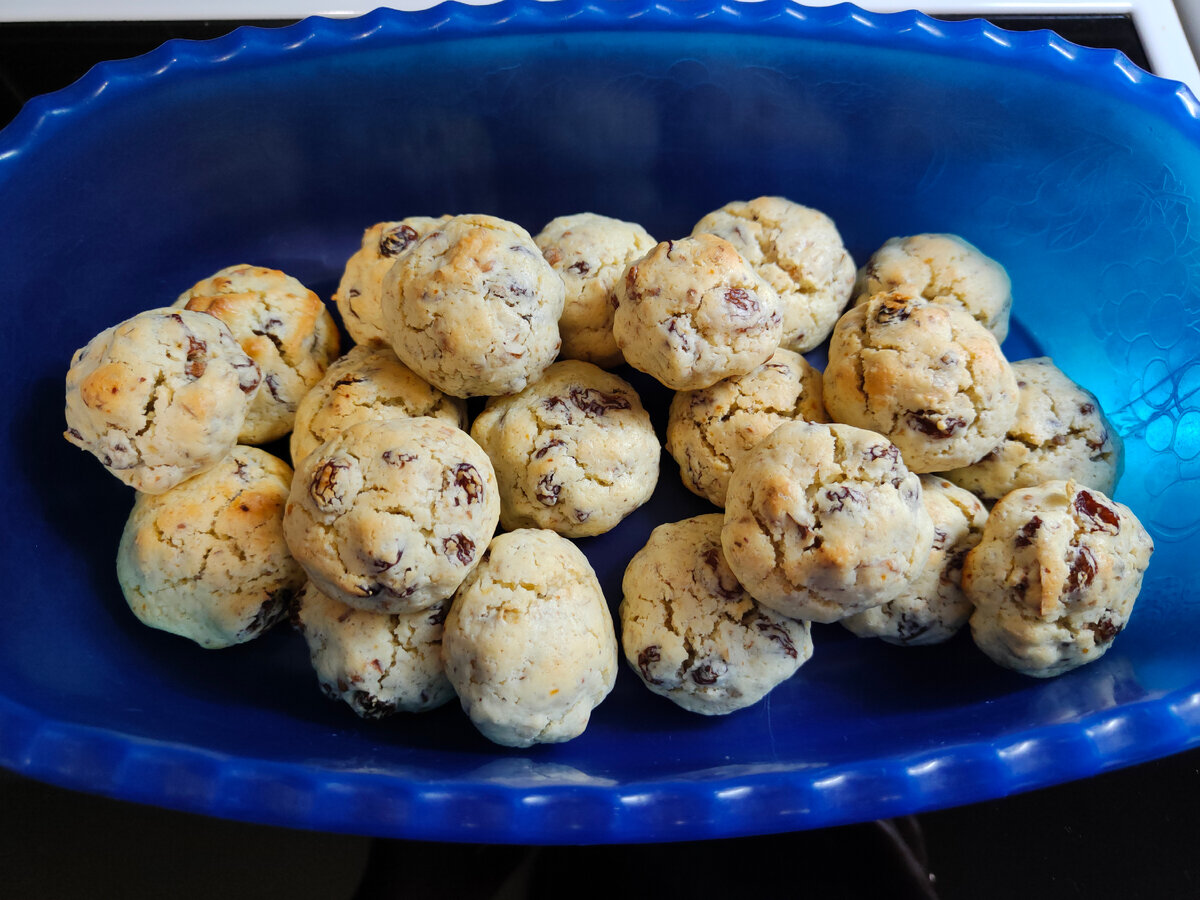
426	553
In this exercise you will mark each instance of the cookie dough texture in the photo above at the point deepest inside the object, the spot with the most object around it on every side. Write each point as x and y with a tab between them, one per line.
692	632
590	253
160	397
1060	433
1055	577
368	383
359	292
529	643
941	268
693	311
378	664
710	430
799	251
390	516
928	377
574	452
283	326
825	521
473	307
932	608
207	560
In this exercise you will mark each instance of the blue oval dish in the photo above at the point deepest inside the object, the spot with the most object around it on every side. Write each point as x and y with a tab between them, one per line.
1074	168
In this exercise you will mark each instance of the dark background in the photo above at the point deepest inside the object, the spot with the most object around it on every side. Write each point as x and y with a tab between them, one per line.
1132	833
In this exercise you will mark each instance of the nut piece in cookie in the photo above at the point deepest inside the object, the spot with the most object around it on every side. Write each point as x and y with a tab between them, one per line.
928	377
693	311
390	516
692	632
160	397
799	252
1060	433
359	292
369	382
529	643
207	559
1055	577
709	430
473	307
574	452
825	521
283	326
933	607
941	268
377	663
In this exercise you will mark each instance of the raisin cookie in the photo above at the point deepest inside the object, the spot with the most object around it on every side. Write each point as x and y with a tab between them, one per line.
941	268
825	521
473	307
590	253
1055	577
693	634
529	643
359	292
1060	433
390	516
369	382
799	251
207	560
377	663
709	430
928	377
933	607
574	452
160	397
692	312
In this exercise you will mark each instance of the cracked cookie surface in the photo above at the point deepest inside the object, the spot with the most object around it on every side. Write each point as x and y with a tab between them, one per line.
693	311
574	452
691	631
368	383
590	253
1060	433
932	608
207	559
159	397
1055	577
390	516
928	377
473	307
529	642
285	329
941	268
825	521
709	430
359	292
799	252
378	664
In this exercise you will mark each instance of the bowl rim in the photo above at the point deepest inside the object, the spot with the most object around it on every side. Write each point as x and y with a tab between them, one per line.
112	763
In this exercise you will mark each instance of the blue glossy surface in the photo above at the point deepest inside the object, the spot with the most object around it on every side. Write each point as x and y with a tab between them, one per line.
1073	167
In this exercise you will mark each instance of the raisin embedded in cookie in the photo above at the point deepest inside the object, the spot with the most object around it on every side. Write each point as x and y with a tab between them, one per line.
207	559
574	452
283	326
825	521
799	251
160	397
590	253
693	311
529	643
1055	577
692	632
390	516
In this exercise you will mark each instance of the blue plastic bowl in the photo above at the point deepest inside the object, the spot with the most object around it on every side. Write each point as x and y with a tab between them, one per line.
1074	168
